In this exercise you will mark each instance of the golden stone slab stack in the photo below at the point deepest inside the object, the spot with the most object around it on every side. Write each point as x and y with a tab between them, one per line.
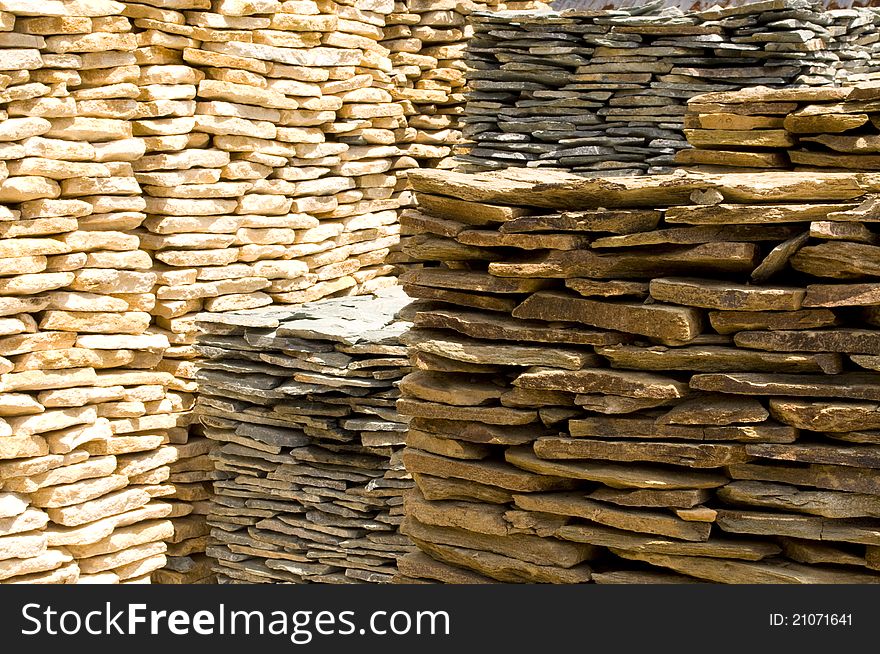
300	403
644	379
86	415
760	128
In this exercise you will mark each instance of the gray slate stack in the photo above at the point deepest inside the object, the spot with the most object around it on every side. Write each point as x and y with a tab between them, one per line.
604	92
301	405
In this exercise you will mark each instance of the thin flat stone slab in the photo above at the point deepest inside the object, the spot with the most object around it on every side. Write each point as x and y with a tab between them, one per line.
492	415
469	213
777	259
697	235
764	93
722	257
613	288
470	281
784	187
864	531
615	475
461	298
508	569
730	322
647	428
661	321
832	477
419	566
533	241
603	380
467	350
798	123
556	190
716	358
867	361
710	294
481	518
617	404
838	260
449	389
765	159
474	432
860	456
690	455
834	160
619	221
747	572
855	385
848	340
676	499
842	295
756	214
838	231
720	548
504	328
543	551
825	416
642	577
491	473
715	410
827	504
810	552
750	138
634	520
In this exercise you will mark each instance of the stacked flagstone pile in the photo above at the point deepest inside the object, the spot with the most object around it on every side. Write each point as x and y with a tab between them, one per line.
603	93
85	413
172	149
269	181
427	41
300	404
760	128
644	379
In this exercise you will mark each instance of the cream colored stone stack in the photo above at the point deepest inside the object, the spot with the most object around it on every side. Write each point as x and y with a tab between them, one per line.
166	30
364	222
85	416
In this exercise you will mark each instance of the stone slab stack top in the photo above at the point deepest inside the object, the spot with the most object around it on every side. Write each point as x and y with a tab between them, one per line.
300	405
644	379
85	413
604	92
760	128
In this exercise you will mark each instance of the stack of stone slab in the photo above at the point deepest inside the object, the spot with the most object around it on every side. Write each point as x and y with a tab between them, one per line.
85	413
760	128
165	125
644	379
427	41
300	404
268	180
603	93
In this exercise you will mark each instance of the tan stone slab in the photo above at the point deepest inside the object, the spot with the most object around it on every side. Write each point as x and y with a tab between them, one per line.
682	454
662	321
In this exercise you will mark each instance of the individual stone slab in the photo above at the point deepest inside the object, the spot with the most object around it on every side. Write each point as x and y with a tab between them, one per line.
661	321
726	297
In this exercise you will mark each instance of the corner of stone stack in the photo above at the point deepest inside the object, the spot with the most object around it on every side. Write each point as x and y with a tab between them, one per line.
658	379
